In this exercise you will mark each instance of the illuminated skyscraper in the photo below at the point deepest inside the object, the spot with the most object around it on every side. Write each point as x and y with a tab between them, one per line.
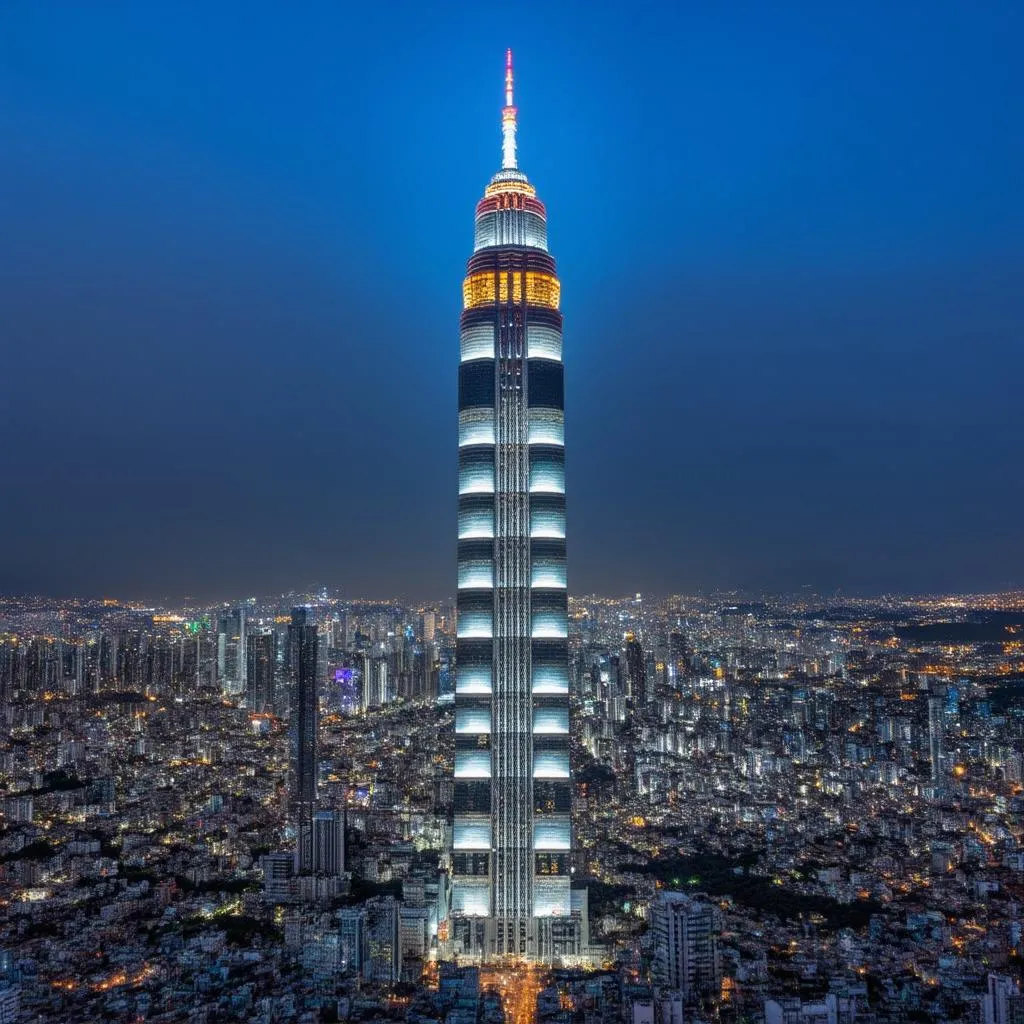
261	659
512	834
305	712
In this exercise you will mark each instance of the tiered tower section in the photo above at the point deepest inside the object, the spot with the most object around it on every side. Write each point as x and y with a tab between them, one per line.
512	833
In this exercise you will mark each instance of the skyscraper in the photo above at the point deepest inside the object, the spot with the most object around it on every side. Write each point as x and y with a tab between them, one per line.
512	833
302	646
685	934
261	659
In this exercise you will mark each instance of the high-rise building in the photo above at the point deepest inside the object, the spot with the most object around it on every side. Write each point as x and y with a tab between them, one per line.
231	657
685	934
261	658
1003	1004
936	728
302	648
321	845
429	625
636	676
512	833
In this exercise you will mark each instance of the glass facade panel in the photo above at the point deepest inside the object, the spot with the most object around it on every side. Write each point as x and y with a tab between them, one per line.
472	834
476	524
547	474
551	897
475	574
543	342
551	834
471	897
473	721
475	624
470	681
547	426
476	426
547	523
477	342
551	720
550	679
548	573
472	764
550	764
549	624
476	478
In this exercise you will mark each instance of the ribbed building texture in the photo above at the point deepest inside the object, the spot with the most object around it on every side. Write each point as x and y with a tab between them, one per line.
512	833
685	939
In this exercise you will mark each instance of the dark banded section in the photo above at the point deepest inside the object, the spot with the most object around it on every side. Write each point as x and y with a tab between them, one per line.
476	383
541	315
472	796
500	258
552	796
545	383
476	654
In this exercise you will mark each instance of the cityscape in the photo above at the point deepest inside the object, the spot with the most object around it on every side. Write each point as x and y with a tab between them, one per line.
511	802
783	809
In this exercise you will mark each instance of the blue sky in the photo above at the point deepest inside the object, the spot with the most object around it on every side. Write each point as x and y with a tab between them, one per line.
790	236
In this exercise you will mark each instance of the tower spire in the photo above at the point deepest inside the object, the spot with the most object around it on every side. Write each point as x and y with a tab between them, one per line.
508	120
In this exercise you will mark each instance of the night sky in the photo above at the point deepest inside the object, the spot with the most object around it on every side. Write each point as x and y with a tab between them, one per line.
791	243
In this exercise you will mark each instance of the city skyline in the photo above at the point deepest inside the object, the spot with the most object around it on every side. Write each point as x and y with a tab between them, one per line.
763	763
806	379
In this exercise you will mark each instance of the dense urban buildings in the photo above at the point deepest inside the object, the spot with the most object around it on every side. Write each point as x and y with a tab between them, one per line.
782	823
511	841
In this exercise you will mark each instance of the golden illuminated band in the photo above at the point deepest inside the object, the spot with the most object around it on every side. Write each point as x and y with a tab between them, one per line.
484	289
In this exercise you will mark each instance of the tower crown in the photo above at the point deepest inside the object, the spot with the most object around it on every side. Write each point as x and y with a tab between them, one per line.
508	120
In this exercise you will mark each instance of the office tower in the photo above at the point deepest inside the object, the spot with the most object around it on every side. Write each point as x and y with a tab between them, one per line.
636	675
685	939
512	790
320	849
231	659
302	645
936	730
383	963
352	939
261	658
429	626
329	843
1003	1003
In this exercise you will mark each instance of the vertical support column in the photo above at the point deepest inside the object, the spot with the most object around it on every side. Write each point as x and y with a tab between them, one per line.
512	739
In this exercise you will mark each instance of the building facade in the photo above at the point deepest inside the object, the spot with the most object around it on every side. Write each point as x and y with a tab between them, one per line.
305	713
685	943
512	833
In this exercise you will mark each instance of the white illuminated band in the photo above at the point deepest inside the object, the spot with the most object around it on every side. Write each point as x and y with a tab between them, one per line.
473	681
474	625
476	426
547	477
550	721
476	524
477	342
547	426
473	721
472	834
476	574
472	764
547	525
550	764
551	834
550	626
477	478
543	342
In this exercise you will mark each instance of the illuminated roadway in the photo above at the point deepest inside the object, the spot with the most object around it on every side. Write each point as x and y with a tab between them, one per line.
519	985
